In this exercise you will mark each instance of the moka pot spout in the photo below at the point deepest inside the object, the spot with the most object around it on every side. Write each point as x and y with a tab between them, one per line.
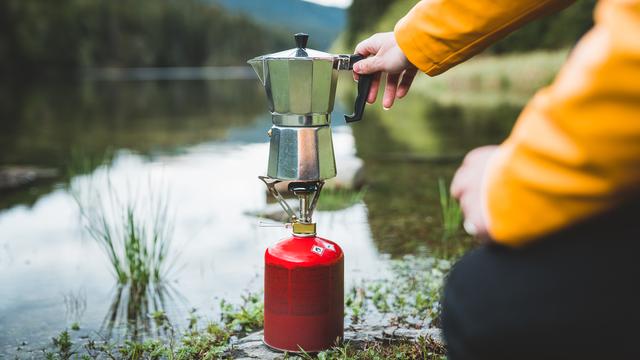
258	66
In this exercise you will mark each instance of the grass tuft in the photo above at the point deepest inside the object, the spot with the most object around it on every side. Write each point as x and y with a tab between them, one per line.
422	349
450	211
135	232
63	347
245	318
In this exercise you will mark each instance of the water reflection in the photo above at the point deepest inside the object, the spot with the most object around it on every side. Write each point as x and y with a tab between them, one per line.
43	125
406	151
139	310
75	304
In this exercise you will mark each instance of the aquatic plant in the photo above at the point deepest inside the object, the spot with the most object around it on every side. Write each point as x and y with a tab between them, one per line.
133	226
450	211
135	238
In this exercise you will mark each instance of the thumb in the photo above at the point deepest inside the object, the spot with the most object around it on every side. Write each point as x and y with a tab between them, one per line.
369	65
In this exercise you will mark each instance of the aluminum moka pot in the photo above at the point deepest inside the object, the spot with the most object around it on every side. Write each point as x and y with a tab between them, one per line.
301	86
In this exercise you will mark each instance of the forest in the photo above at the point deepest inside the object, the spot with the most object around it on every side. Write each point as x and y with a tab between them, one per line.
61	36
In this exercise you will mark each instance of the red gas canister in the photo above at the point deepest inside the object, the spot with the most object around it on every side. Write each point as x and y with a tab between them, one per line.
303	294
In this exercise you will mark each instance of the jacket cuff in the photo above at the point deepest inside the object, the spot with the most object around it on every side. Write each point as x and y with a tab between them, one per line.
405	35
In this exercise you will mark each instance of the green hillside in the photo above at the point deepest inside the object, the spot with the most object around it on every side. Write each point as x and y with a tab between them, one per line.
323	23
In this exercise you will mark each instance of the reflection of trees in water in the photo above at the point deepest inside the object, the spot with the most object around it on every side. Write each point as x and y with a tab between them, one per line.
467	127
43	124
420	127
138	310
406	151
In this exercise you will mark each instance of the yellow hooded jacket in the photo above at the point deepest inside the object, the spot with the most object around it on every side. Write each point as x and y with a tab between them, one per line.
575	149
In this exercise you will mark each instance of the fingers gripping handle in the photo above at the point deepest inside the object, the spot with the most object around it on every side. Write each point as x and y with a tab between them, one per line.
364	85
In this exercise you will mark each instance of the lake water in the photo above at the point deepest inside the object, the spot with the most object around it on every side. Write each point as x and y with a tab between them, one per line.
205	143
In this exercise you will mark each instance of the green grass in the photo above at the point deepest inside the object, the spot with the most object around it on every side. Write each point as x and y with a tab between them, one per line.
245	318
423	349
135	231
490	79
62	347
451	211
411	294
199	341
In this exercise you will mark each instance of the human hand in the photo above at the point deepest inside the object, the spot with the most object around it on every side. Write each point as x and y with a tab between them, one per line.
466	187
384	55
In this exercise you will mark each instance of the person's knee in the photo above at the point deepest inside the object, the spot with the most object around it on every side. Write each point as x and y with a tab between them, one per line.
455	307
470	306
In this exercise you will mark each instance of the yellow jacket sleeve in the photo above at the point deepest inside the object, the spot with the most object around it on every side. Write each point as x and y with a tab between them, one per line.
438	34
575	150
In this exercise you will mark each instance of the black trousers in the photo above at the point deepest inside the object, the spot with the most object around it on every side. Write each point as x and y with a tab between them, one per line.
572	295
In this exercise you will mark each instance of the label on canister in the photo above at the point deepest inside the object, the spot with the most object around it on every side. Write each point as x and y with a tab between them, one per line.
317	249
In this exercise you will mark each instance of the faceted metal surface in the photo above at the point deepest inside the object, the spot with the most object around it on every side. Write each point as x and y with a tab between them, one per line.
301	153
298	85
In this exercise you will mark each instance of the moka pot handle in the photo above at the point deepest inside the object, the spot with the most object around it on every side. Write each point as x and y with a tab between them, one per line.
364	85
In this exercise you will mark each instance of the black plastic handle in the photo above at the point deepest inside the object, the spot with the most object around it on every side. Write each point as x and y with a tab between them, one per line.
301	40
301	44
364	86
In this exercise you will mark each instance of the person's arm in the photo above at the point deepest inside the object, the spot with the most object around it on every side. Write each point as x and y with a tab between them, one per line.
438	34
575	150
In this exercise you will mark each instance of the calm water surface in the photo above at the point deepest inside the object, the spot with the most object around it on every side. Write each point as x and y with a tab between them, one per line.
205	143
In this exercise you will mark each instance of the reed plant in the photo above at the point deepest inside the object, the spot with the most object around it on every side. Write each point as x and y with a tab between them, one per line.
450	211
134	230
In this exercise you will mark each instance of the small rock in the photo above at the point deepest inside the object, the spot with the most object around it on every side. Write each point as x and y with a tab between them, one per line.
12	177
252	346
404	334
